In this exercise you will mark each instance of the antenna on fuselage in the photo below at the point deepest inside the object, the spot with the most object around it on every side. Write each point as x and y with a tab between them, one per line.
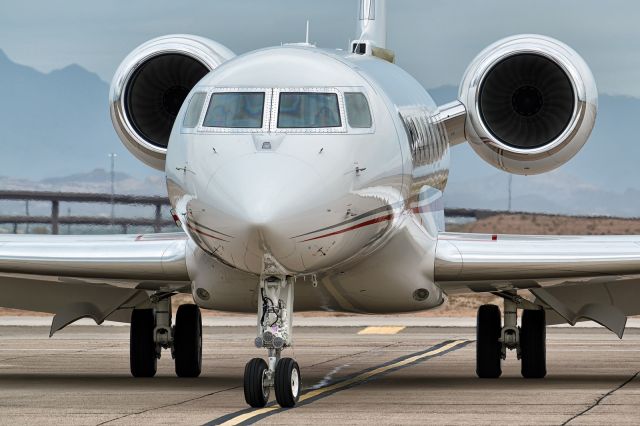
306	39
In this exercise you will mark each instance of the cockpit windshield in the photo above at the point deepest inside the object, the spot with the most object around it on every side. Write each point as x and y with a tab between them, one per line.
308	110
193	111
238	110
358	112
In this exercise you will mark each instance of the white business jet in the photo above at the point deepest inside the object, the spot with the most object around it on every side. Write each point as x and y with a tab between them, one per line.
322	171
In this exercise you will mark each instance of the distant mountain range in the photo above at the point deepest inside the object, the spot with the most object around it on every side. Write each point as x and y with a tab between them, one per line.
96	181
57	124
55	127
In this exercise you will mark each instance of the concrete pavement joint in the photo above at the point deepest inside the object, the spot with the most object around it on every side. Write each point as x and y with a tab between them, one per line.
599	400
377	348
82	351
167	405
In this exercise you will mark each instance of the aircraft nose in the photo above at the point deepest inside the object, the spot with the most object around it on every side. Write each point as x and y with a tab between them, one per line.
261	199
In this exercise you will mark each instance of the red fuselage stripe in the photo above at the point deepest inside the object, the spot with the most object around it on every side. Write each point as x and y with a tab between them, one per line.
193	228
360	225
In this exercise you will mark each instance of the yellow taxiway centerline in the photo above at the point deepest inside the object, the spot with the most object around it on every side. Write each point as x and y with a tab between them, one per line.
248	416
347	383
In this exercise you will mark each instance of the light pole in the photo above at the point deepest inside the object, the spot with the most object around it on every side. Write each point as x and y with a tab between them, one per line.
113	156
26	208
510	183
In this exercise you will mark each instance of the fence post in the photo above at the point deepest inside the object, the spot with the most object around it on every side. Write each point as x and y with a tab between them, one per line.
157	226
55	214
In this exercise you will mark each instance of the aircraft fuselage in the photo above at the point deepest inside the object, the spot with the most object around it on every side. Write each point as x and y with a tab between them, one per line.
354	209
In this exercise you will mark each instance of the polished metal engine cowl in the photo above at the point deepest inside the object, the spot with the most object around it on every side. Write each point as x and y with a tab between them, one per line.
531	103
150	86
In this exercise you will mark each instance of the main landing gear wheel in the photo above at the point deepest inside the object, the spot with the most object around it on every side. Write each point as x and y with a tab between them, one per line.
187	341
287	382
256	390
143	358
533	344
488	345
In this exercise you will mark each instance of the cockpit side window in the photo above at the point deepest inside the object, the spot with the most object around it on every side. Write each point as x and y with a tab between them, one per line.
236	110
192	115
358	112
300	110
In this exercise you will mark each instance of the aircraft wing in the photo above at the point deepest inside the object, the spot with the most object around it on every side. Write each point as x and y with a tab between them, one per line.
575	277
96	276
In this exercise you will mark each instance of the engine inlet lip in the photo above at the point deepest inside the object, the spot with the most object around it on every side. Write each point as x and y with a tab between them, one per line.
171	113
568	73
581	103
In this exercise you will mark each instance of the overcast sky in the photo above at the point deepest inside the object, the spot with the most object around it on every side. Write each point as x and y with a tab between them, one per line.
433	39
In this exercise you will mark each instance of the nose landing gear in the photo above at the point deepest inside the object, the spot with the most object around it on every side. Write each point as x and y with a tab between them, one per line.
275	311
494	338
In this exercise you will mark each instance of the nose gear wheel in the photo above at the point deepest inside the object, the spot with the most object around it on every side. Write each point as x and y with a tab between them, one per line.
275	311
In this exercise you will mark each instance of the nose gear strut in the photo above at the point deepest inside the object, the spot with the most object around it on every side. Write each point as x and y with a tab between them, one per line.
275	312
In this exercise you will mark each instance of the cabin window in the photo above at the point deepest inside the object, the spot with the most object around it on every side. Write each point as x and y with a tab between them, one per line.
235	110
358	112
308	110
192	116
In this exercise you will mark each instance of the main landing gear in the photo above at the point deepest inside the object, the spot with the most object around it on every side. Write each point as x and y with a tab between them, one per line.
494	338
275	310
151	331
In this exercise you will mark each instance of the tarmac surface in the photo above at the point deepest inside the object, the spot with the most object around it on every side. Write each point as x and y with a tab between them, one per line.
391	374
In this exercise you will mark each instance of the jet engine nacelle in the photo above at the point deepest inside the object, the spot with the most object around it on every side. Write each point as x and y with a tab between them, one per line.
531	103
150	86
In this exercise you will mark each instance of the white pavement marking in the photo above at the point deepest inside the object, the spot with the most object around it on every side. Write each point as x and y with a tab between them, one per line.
327	378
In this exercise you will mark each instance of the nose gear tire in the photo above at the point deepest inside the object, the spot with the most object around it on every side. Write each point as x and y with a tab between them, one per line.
287	382
256	394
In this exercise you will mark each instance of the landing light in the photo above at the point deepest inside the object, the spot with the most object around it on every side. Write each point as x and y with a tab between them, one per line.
203	294
421	294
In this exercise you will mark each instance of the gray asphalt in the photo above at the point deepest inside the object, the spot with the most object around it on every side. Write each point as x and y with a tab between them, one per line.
81	377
